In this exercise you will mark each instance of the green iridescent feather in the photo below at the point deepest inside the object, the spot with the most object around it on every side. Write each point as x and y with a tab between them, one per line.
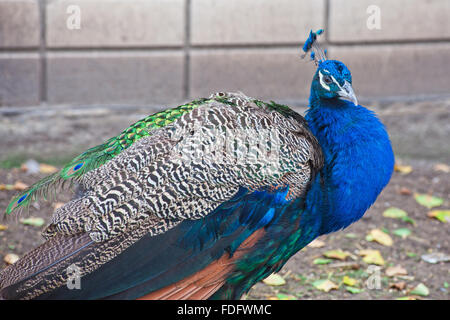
97	156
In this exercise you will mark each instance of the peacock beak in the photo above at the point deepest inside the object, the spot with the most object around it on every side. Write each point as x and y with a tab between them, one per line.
347	93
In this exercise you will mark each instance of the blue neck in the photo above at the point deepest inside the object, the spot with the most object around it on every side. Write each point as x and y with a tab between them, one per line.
358	161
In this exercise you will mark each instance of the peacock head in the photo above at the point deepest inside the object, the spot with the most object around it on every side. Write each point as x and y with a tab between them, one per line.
332	79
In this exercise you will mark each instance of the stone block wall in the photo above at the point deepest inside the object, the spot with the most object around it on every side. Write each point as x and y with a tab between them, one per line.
139	52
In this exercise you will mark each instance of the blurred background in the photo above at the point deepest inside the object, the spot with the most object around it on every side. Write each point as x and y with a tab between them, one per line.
73	73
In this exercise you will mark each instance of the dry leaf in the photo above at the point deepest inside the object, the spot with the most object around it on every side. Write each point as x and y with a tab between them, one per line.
58	205
372	257
403	169
325	285
11	258
380	237
442	167
405	191
396	271
20	186
336	254
398	285
316	244
46	168
3	227
274	280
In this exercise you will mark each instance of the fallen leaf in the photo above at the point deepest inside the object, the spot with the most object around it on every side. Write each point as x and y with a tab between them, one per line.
409	220
274	280
349	281
3	227
396	271
351	235
11	258
441	215
281	296
345	265
406	298
405	191
372	257
402	232
325	285
6	187
33	221
420	290
336	254
316	244
353	290
58	205
380	237
435	257
322	261
46	168
20	186
394	213
403	169
428	201
398	285
442	167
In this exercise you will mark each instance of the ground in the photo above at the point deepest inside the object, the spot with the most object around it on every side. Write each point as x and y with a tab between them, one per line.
301	273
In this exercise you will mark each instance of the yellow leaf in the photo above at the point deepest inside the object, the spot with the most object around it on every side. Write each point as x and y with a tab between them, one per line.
349	281
403	169
325	285
380	237
441	215
3	227
274	280
406	298
336	254
372	257
46	168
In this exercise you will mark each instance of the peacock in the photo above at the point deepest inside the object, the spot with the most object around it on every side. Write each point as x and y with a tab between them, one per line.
204	200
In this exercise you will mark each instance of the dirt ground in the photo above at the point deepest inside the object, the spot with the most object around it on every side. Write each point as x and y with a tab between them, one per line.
301	273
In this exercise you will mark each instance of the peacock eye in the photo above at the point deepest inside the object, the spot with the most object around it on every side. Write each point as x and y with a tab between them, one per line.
327	79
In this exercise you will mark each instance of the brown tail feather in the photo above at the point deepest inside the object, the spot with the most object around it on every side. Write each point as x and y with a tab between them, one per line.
207	281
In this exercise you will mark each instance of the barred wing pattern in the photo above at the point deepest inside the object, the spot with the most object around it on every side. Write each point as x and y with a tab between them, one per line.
182	171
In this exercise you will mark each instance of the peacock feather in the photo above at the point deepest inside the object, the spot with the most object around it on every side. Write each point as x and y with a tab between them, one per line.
99	155
206	199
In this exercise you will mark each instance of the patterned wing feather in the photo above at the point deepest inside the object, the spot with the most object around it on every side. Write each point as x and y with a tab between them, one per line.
97	156
184	171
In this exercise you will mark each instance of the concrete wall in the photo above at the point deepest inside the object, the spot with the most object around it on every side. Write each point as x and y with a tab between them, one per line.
140	52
